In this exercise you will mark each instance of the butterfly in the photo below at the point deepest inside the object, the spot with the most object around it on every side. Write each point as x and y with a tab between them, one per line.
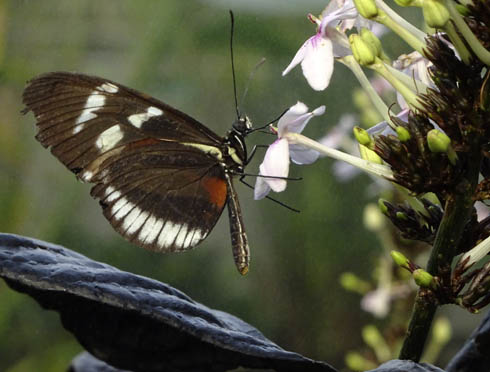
161	177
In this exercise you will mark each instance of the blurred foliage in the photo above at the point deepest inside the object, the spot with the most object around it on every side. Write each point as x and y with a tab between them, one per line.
179	52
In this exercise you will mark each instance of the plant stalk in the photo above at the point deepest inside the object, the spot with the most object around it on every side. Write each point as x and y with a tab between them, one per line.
457	211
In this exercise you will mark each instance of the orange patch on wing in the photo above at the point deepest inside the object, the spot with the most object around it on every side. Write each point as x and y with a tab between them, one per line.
216	187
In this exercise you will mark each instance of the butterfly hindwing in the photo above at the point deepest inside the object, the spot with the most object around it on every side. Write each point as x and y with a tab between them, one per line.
158	184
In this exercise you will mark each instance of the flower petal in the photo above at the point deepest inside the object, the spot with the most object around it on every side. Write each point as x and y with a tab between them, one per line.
302	155
261	188
299	56
276	164
296	118
318	62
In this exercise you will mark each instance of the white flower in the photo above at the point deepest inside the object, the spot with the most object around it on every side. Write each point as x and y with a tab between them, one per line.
317	54
417	67
276	159
377	302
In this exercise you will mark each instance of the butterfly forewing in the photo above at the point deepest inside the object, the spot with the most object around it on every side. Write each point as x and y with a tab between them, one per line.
155	174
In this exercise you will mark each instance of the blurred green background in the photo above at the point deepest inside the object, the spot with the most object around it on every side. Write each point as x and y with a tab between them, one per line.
178	51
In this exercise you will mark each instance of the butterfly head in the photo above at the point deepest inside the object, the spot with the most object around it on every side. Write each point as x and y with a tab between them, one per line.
242	126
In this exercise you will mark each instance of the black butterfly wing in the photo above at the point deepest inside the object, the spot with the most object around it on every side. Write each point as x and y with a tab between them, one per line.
155	169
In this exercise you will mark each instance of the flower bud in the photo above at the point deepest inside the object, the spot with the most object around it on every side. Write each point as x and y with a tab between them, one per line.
382	206
423	279
363	52
401	216
438	141
369	155
400	259
362	136
403	134
436	14
372	40
353	283
366	8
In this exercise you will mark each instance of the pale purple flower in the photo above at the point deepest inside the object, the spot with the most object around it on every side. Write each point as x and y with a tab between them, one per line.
276	159
317	54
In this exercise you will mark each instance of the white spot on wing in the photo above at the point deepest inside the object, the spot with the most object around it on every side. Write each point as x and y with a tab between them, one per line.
150	230
94	102
196	237
121	208
109	138
188	238
87	176
112	194
109	190
138	119
133	221
155	231
181	237
168	234
108	87
154	111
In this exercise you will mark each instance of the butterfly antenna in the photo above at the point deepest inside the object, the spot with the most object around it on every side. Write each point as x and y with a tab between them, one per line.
250	77
261	129
232	20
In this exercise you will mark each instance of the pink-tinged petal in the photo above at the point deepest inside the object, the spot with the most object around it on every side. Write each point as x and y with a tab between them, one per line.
291	115
318	62
276	164
302	155
336	11
298	58
261	188
296	118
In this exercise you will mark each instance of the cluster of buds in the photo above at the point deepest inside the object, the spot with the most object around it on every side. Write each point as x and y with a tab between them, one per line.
436	145
418	225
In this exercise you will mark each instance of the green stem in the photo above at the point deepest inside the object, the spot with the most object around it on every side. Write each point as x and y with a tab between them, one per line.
417	34
413	40
409	96
475	45
457	211
376	100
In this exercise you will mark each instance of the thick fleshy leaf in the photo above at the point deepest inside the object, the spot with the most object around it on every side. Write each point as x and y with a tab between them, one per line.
474	356
136	323
397	365
86	362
